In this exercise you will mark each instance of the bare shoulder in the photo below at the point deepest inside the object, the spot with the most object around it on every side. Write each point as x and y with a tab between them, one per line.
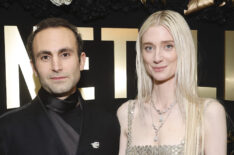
122	111
215	128
213	109
122	114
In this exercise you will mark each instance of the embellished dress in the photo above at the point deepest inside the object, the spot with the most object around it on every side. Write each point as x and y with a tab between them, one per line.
149	149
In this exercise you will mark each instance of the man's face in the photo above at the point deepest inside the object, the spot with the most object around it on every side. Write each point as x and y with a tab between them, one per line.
56	61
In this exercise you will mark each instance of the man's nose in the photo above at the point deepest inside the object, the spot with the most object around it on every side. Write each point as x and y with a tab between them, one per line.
56	64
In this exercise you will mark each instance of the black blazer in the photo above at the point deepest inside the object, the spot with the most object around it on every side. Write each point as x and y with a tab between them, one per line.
29	131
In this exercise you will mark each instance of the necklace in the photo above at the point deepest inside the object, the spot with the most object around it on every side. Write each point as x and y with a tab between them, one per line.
160	113
161	120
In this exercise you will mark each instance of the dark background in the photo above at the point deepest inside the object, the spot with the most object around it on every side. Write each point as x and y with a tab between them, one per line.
211	23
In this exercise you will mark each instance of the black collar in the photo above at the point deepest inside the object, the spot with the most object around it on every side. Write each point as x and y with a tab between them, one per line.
60	106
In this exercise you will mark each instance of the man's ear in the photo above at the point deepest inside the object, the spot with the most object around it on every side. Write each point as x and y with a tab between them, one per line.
82	60
34	68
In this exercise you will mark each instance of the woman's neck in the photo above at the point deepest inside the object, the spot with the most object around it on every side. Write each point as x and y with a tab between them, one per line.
163	93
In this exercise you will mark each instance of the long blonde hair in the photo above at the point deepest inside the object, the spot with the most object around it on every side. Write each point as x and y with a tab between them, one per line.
186	73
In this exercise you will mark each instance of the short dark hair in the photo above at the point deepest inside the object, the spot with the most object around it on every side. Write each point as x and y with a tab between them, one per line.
53	23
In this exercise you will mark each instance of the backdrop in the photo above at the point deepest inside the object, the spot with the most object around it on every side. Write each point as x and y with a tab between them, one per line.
109	29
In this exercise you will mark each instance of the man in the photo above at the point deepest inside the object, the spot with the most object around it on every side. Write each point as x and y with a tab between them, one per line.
58	121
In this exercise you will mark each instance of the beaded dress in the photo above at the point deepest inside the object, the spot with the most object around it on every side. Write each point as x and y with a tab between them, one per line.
149	149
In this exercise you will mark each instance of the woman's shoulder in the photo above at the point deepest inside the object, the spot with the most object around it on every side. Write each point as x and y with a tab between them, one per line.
215	127
123	109
213	109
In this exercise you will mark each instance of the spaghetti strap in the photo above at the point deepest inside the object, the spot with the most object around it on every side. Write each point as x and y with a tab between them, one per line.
131	107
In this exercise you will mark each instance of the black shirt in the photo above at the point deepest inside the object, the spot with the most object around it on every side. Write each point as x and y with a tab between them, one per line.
69	109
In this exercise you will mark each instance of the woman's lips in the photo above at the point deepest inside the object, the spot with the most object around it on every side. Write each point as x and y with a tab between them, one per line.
159	69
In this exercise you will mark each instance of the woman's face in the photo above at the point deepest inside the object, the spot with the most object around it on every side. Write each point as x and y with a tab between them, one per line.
159	53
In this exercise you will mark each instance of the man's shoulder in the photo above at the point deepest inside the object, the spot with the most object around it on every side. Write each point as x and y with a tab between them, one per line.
18	115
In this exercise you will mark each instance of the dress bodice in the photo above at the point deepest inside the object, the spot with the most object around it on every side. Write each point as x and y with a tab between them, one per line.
148	149
156	150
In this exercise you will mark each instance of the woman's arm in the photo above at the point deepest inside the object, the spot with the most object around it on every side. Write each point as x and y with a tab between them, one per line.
122	115
215	129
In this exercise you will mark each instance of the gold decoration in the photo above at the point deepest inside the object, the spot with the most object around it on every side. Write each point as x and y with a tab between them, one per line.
196	5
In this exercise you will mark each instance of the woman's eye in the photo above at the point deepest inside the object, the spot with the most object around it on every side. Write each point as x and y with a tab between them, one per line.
148	48
169	47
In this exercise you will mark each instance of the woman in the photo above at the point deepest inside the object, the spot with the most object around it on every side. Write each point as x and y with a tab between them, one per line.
168	117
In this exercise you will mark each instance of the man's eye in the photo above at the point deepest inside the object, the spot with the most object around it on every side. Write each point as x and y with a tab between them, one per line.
65	54
45	57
